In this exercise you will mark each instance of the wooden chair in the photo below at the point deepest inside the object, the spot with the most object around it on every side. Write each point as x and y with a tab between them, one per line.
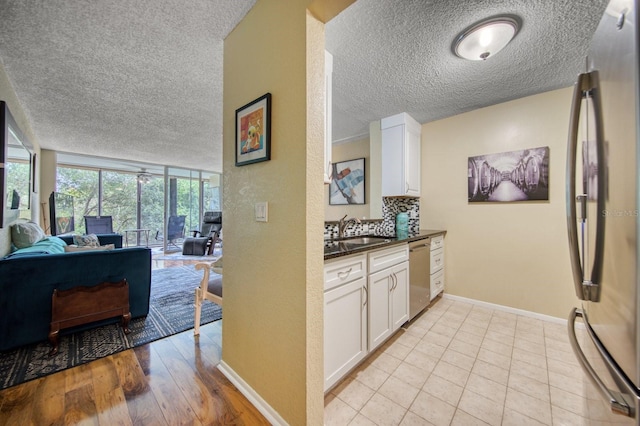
210	289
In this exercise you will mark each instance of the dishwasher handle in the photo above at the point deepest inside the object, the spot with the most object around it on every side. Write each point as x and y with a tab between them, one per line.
419	247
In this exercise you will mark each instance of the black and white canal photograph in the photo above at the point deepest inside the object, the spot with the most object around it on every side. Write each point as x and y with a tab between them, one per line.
510	176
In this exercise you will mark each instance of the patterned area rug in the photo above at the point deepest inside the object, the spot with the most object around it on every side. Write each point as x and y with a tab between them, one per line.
171	311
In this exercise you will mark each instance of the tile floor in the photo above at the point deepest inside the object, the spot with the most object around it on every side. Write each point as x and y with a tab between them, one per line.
464	364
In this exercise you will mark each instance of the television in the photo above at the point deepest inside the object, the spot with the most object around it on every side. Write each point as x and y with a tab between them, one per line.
61	213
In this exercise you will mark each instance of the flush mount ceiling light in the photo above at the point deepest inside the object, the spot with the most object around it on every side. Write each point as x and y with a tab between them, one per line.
485	38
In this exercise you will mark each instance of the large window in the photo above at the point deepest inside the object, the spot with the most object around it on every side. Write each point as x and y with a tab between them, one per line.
119	199
211	193
136	203
152	207
83	185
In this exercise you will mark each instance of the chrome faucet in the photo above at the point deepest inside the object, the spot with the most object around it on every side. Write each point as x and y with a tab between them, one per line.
342	224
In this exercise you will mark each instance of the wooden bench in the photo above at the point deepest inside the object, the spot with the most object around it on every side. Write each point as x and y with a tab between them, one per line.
83	305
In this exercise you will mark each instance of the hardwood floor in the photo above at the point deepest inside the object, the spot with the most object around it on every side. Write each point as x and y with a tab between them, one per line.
172	381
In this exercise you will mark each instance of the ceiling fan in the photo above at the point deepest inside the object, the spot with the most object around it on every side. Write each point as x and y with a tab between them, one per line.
144	176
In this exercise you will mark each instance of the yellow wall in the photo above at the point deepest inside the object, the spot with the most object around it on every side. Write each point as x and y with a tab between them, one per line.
8	95
512	254
272	333
344	152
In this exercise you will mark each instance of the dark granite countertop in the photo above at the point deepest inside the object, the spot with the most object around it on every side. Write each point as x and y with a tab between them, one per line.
337	248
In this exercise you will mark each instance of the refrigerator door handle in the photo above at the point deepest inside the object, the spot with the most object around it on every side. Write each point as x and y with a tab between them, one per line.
586	289
619	402
572	226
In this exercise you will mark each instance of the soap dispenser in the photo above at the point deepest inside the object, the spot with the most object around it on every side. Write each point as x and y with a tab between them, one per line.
402	225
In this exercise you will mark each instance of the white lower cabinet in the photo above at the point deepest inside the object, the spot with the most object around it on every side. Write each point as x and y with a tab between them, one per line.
345	317
388	292
366	299
437	266
388	302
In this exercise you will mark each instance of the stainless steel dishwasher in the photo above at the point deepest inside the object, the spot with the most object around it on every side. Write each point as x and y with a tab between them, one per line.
419	270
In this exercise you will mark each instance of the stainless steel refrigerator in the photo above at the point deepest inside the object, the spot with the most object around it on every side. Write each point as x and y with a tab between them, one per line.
603	173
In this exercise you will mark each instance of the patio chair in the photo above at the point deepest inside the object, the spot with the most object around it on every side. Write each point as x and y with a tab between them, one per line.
210	289
175	228
210	228
98	224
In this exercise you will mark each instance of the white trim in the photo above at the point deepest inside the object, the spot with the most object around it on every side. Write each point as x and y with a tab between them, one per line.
253	396
351	139
503	308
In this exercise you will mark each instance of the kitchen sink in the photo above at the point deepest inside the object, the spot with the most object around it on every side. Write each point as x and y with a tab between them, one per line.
368	240
352	243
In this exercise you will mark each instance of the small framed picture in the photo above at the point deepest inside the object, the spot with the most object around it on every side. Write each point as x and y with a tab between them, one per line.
347	183
253	131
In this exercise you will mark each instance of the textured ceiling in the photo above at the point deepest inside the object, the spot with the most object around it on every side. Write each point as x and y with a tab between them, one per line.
395	56
124	79
142	80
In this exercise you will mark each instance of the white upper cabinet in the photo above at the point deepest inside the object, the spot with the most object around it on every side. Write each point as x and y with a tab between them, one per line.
400	156
328	99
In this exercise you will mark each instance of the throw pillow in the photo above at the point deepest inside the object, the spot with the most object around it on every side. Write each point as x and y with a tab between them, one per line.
72	248
26	234
90	240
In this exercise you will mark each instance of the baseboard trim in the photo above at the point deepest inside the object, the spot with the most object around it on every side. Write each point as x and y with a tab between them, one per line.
253	396
503	308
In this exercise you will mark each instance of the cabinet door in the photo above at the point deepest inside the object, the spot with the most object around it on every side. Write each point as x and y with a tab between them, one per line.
400	155
400	296
393	157
379	307
345	329
412	162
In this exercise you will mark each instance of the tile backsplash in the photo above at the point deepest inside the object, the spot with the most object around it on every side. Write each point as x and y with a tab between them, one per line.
367	227
391	206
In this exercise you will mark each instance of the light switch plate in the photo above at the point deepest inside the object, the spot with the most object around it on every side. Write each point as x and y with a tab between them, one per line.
262	211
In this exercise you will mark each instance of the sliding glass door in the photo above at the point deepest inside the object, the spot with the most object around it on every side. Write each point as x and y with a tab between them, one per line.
151	208
182	206
118	199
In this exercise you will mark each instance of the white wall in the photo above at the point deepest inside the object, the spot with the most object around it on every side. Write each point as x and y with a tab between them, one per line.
512	254
8	95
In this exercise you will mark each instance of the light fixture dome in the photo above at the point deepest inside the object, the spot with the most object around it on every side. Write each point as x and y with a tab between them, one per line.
486	38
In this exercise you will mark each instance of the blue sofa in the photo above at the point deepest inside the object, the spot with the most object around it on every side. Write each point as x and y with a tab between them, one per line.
27	282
